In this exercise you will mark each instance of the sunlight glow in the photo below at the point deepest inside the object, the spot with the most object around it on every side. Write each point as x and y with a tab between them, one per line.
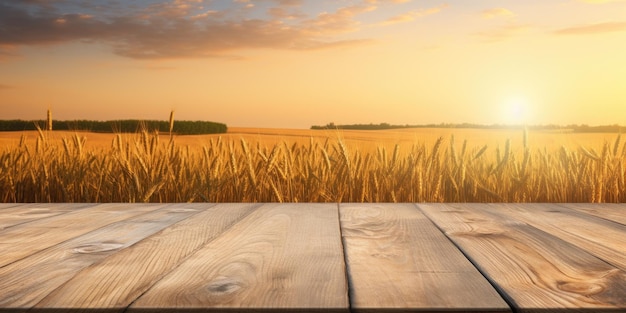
516	111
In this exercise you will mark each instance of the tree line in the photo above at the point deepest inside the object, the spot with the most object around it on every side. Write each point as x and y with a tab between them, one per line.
583	128
120	126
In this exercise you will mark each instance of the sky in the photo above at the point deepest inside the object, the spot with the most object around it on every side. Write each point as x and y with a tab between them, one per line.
297	63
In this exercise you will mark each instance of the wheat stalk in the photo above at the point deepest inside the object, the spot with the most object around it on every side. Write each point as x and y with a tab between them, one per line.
171	122
49	121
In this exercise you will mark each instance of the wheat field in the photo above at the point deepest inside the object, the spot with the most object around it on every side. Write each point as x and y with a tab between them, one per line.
252	165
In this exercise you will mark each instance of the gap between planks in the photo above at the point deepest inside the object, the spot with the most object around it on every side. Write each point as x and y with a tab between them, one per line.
538	267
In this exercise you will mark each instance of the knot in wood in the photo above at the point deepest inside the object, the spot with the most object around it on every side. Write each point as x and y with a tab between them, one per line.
581	288
223	286
97	247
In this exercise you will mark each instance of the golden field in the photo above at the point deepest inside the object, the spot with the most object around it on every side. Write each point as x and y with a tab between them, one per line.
282	165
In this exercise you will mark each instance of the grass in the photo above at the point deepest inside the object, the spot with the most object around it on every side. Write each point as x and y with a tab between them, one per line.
145	168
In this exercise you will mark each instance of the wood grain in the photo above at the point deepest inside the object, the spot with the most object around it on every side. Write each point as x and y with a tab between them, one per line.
11	215
121	278
398	260
280	256
575	227
23	240
10	205
536	270
611	211
27	281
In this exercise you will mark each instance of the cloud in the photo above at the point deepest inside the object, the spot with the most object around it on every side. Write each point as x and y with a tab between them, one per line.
4	87
7	52
286	9
177	29
502	33
496	12
206	14
282	13
413	15
387	1
600	1
18	27
340	21
597	28
289	3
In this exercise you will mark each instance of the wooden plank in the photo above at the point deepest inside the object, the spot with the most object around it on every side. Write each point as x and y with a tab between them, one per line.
118	280
603	238
24	213
9	205
398	260
27	281
279	257
536	271
611	211
25	239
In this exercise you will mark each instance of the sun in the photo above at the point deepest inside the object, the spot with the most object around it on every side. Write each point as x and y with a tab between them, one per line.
515	111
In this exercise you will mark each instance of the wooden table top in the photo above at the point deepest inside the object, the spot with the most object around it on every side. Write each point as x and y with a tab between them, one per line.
311	257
